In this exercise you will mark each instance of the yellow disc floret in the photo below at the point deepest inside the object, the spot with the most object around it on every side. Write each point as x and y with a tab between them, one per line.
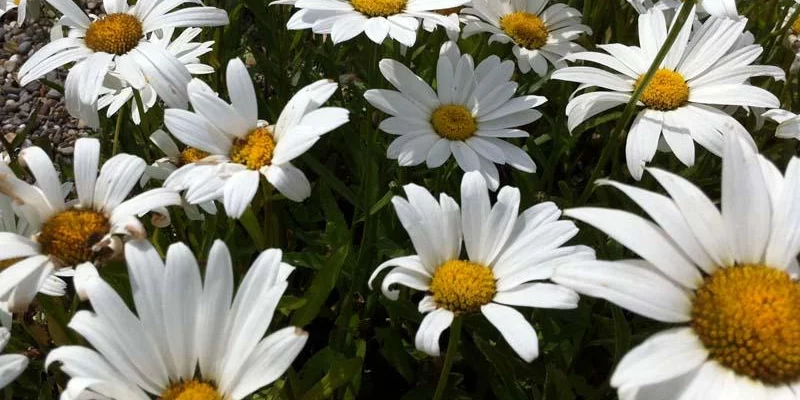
748	318
115	34
527	30
462	286
666	91
16	1
69	235
191	390
454	122
255	150
379	8
190	155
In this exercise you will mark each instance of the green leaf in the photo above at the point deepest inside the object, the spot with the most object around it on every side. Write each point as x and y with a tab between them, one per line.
321	287
340	374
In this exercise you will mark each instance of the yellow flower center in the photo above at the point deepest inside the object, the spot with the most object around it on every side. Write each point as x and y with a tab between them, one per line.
462	286
796	26
748	318
454	122
115	34
255	150
525	28
190	155
16	1
69	235
379	8
191	390
666	91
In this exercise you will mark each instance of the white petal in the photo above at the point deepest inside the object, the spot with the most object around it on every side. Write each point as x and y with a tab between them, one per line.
517	331
644	238
629	286
241	91
661	357
431	328
239	191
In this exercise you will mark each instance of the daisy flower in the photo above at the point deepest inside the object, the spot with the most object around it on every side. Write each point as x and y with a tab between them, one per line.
703	70
20	5
508	257
230	148
118	42
11	365
468	115
727	278
788	123
540	34
116	92
175	158
181	322
397	19
66	234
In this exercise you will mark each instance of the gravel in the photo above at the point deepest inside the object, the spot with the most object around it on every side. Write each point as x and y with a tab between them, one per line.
54	128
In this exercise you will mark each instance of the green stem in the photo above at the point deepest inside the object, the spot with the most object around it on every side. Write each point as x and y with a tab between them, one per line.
120	113
618	134
449	357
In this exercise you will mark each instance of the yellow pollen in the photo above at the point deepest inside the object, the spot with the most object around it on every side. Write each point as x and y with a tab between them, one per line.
454	122
255	150
16	1
191	390
69	235
666	91
379	8
747	318
190	155
796	26
115	34
525	28
462	286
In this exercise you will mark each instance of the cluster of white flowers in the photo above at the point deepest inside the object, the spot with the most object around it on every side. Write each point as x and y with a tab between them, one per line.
726	278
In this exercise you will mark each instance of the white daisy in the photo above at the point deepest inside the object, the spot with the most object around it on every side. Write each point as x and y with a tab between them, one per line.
344	20
788	123
11	365
175	158
508	257
728	278
118	42
239	148
468	115
181	323
66	234
703	70
540	34
116	92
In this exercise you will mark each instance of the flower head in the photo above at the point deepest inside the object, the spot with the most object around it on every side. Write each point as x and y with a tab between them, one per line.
117	92
705	69
397	19
540	34
60	235
239	147
469	114
182	323
119	43
509	257
728	277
